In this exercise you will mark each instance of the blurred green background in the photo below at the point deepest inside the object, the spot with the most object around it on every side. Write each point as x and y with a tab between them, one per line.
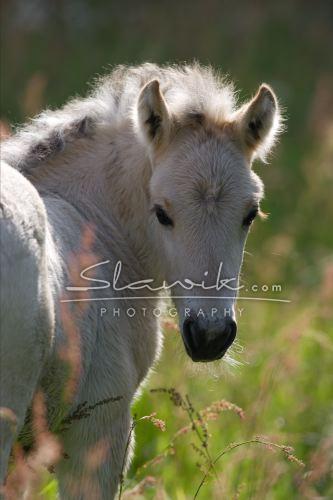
50	50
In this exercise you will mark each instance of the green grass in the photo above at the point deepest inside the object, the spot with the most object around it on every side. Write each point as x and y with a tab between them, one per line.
285	390
284	387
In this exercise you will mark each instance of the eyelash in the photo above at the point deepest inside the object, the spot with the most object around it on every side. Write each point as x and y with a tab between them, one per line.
250	217
162	216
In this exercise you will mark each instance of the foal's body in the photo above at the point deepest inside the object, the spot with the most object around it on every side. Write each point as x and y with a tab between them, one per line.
111	363
94	164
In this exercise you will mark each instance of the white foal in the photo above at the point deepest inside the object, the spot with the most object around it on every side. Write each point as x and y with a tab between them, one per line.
158	162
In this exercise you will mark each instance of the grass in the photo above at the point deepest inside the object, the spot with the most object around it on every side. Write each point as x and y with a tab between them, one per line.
261	430
285	396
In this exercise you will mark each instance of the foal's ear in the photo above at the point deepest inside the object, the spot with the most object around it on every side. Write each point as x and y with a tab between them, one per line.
153	114
259	123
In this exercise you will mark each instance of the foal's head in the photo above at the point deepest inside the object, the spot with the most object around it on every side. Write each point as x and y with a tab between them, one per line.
203	198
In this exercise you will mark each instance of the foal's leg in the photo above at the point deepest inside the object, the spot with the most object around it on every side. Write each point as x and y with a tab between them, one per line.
97	451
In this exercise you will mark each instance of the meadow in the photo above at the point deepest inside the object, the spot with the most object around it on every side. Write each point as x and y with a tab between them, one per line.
261	428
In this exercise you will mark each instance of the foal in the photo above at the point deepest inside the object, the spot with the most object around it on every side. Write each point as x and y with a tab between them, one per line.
157	160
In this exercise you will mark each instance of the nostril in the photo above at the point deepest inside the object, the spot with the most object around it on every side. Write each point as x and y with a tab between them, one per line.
189	328
230	332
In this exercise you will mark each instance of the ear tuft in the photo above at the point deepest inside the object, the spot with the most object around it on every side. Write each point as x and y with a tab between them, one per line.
153	115
260	114
259	122
153	123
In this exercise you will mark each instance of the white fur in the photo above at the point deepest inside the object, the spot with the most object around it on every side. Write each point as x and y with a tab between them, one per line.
91	163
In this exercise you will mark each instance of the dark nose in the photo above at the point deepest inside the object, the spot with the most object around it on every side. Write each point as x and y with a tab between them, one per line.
206	345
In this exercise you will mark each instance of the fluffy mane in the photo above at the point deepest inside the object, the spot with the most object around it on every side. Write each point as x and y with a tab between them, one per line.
112	103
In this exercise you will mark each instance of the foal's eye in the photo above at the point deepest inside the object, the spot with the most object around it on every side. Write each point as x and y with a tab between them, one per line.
250	217
162	216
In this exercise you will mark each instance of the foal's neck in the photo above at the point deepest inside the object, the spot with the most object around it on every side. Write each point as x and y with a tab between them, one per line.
127	189
107	179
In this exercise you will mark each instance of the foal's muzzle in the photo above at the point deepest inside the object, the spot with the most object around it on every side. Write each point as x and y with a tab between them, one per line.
205	345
